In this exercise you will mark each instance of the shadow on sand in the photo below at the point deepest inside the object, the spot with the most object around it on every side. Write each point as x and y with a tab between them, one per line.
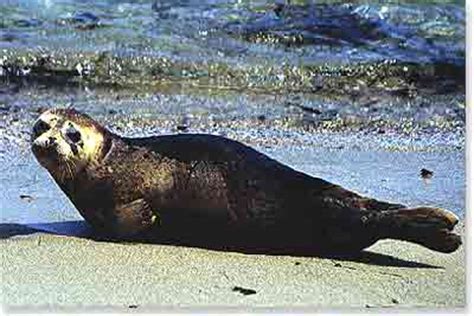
82	230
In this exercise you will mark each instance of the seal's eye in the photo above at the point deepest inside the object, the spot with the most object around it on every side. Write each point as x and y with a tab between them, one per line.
40	128
73	135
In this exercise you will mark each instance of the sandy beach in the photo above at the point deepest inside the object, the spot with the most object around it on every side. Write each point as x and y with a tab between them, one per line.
52	271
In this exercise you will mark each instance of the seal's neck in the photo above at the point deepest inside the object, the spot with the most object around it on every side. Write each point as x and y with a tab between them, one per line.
106	145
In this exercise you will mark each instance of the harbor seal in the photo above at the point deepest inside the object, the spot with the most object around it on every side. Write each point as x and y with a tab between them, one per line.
207	188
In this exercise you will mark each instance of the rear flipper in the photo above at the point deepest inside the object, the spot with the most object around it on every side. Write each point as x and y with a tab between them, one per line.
427	226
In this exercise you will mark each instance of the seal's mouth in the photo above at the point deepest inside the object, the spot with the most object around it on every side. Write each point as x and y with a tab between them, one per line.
46	155
40	151
52	160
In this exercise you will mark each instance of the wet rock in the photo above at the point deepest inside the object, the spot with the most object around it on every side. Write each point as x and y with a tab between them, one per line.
329	114
278	8
160	6
27	23
85	17
309	109
182	128
82	21
26	197
308	121
9	37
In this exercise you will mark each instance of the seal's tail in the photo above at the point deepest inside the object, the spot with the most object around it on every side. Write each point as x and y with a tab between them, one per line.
427	226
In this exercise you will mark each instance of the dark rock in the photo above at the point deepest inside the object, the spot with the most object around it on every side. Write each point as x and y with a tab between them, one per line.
243	291
27	23
85	17
182	128
27	198
330	115
426	174
309	109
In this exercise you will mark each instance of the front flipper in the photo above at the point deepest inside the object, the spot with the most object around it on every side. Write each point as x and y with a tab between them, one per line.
134	218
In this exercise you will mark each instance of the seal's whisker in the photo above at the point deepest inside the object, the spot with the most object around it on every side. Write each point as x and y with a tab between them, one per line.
69	168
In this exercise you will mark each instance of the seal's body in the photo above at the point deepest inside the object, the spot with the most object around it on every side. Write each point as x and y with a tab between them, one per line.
208	188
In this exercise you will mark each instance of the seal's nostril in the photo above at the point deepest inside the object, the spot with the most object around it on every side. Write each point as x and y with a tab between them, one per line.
51	140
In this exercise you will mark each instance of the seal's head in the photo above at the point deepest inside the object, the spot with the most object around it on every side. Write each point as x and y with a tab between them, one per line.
65	141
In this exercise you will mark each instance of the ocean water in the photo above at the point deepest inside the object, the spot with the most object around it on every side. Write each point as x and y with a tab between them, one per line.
264	45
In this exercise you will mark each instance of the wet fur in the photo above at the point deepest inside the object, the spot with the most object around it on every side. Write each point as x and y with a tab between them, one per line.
209	188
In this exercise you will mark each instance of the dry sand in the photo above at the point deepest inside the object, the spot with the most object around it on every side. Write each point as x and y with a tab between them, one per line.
73	272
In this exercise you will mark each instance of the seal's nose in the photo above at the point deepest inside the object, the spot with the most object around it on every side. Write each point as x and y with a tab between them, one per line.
44	142
51	141
44	146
